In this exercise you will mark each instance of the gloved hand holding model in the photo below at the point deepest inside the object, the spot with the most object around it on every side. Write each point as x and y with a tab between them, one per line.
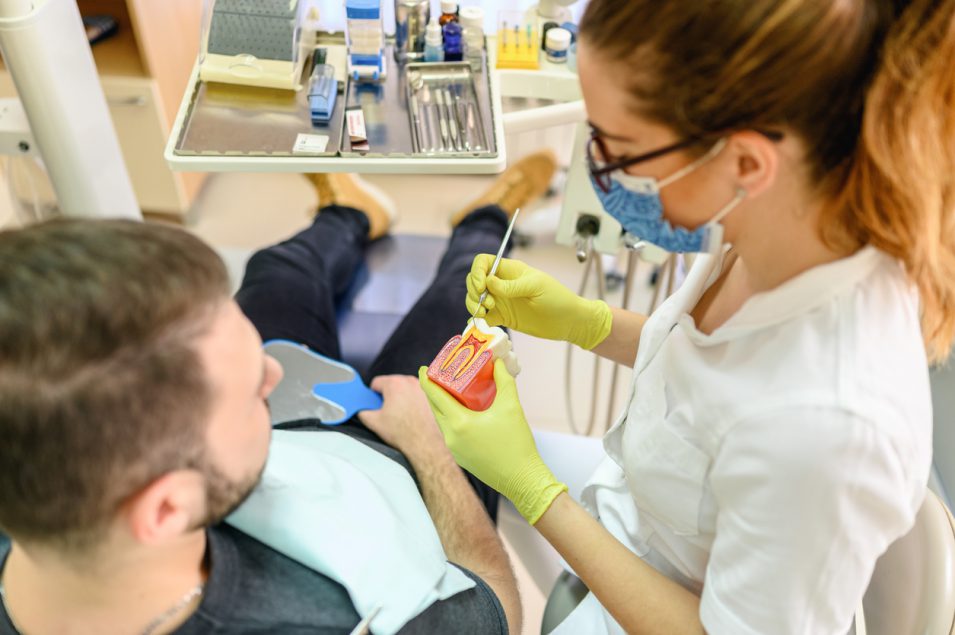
530	301
496	445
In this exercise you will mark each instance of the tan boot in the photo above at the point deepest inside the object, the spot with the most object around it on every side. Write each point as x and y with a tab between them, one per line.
517	186
348	190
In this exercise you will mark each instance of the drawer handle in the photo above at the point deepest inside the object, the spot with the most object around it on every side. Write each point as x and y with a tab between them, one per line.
127	101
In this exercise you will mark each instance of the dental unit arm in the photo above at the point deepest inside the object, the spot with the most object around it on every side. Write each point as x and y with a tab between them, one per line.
555	10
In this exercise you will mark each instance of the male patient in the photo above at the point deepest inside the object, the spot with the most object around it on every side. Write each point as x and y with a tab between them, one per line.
134	418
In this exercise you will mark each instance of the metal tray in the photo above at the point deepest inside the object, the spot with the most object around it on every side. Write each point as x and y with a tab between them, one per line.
233	121
444	110
389	121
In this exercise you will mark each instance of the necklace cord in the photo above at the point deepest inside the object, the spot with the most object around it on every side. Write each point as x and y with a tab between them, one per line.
164	617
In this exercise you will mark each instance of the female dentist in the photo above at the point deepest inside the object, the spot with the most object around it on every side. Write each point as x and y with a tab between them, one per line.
778	436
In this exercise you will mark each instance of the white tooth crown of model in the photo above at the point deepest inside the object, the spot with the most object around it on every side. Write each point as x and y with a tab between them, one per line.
500	344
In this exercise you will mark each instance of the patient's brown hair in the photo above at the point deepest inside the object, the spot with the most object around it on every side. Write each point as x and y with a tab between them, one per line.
101	387
867	84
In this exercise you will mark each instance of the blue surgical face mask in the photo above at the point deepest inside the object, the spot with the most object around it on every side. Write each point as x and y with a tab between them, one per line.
634	202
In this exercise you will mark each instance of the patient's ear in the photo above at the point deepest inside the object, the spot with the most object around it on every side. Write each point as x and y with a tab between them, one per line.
166	508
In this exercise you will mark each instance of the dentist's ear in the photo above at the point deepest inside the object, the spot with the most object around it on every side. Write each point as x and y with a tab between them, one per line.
756	161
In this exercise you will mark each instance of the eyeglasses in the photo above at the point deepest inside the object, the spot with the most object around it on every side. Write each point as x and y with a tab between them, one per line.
602	171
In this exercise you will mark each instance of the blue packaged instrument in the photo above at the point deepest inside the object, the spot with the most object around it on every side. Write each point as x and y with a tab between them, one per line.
322	93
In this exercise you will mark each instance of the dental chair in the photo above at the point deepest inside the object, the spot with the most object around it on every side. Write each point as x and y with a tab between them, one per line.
396	271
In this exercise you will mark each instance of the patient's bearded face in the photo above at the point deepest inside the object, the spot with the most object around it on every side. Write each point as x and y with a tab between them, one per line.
239	431
224	494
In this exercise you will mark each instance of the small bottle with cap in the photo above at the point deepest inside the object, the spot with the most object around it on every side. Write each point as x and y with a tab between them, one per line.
453	46
472	20
557	43
433	42
449	12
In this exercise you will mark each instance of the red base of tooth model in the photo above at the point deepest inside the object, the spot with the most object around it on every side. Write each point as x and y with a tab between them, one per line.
465	369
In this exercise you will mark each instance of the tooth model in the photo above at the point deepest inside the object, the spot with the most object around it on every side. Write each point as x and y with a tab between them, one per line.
465	366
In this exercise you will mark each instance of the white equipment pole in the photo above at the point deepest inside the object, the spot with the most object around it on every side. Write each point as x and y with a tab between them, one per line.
45	48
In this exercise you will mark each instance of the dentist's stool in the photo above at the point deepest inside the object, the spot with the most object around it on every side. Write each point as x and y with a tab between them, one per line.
913	586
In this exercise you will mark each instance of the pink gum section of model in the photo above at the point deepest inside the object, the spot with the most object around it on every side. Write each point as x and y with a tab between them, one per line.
469	380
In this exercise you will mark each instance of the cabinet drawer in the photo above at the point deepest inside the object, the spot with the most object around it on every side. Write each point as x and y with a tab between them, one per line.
134	106
141	129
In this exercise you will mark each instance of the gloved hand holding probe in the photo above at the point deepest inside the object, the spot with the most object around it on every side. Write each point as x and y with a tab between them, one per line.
530	301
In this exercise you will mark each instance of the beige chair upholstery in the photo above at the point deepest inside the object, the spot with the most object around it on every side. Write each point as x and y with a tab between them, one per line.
912	591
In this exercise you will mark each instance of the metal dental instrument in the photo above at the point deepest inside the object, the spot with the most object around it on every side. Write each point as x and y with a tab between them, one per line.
497	259
461	113
474	120
433	118
442	120
452	120
416	135
415	82
460	132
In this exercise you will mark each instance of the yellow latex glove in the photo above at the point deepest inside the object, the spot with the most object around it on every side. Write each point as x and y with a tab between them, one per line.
496	445
530	301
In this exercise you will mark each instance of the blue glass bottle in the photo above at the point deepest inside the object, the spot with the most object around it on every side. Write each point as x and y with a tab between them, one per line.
453	45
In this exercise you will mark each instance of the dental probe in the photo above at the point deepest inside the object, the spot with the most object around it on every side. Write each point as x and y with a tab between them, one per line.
497	259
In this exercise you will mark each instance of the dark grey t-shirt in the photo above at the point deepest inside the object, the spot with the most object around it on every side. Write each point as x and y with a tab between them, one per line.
255	590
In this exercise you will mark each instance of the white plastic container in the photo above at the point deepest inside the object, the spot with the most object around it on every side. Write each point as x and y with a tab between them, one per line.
557	44
472	21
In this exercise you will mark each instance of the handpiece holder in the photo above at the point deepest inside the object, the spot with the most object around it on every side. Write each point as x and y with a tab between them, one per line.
518	41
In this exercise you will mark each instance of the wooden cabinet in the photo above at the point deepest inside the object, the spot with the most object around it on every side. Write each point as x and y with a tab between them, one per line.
144	70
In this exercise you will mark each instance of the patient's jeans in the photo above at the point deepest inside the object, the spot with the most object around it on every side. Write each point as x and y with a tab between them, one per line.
289	292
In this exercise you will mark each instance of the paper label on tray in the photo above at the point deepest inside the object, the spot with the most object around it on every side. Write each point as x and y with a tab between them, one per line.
310	144
355	122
